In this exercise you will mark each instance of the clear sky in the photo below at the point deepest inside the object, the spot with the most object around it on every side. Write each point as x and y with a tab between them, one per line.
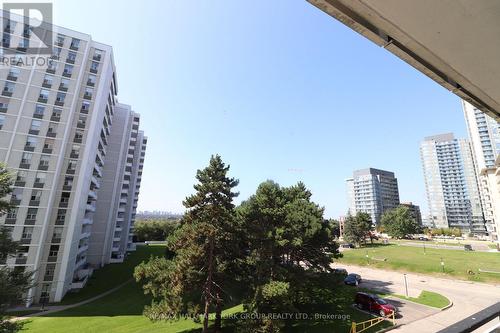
278	88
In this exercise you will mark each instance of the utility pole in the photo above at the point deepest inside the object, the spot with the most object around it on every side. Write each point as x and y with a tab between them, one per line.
406	286
424	246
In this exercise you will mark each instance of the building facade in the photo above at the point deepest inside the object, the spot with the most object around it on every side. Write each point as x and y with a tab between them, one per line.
55	125
451	184
484	136
372	191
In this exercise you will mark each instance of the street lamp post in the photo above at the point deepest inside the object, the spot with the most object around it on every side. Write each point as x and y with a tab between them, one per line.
442	264
424	246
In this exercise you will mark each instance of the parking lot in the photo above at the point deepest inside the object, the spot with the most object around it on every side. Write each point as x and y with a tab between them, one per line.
409	311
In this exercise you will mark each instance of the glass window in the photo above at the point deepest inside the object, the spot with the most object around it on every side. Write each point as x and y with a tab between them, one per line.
94	65
56	112
48	79
27	232
64	83
40	177
68	69
9	87
44	94
39	109
61	97
44	160
71	56
31	215
85	105
91	79
75	43
31	141
21	176
59	40
26	159
2	120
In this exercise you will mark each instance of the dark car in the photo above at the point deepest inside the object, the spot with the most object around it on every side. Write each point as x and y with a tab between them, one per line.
341	271
347	246
352	279
373	303
468	247
423	238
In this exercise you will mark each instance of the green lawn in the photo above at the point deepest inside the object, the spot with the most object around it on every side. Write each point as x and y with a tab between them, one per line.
412	259
121	310
428	298
113	275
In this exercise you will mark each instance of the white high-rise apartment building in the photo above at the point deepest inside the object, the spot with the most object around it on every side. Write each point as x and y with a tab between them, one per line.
484	136
451	183
372	191
55	130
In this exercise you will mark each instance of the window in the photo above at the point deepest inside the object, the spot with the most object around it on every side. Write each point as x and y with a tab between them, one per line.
75	151
78	136
52	130
26	159
68	181
61	215
82	120
39	110
85	106
13	73
47	80
72	165
8	89
27	233
56	114
88	93
60	97
48	146
44	161
35	195
12	213
68	70
21	176
57	233
75	43
54	250
31	215
64	84
98	54
59	40
56	52
44	95
94	66
91	80
10	26
51	66
2	120
40	177
35	125
23	43
31	142
71	57
4	104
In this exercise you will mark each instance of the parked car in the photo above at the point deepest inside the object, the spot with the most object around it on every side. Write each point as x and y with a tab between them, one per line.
468	247
423	238
341	271
352	279
347	246
373	303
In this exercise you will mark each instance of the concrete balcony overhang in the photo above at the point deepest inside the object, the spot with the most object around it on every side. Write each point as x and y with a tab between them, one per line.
453	42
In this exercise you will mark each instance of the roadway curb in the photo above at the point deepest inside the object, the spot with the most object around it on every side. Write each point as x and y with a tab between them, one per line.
448	306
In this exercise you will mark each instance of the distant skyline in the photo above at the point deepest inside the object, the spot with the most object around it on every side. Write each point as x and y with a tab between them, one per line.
279	89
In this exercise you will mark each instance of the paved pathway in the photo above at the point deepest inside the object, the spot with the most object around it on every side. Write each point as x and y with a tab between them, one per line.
56	308
467	297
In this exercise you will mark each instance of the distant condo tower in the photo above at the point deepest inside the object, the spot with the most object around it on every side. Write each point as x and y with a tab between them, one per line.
372	191
451	184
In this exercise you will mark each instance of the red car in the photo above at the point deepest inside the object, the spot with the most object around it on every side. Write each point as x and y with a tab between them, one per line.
373	303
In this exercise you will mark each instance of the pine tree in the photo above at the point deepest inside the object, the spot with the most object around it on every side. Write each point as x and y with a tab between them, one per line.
204	249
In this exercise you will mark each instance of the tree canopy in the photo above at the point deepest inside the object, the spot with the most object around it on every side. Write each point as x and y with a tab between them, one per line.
399	222
357	227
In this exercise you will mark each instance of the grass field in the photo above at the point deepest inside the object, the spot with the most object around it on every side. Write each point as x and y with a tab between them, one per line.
428	298
121	310
457	264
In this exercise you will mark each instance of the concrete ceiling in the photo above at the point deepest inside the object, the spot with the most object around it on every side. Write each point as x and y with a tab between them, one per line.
454	42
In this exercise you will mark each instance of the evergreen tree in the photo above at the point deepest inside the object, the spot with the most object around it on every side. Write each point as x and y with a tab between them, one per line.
357	228
204	252
287	241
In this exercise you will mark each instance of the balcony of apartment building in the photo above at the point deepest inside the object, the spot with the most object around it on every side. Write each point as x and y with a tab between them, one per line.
97	171
115	247
95	182
90	207
116	258
79	283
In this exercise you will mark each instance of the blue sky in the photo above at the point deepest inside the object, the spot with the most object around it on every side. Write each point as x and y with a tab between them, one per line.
278	88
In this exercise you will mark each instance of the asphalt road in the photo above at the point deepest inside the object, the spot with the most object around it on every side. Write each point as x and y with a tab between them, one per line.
467	297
